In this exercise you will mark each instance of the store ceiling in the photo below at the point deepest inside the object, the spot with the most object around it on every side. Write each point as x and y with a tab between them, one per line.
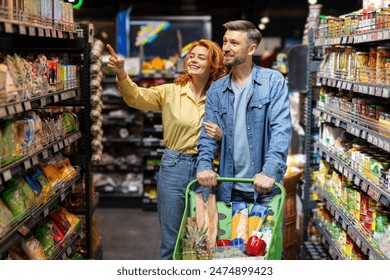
288	17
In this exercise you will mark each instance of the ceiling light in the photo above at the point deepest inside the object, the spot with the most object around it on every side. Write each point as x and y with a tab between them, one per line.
312	2
264	20
262	26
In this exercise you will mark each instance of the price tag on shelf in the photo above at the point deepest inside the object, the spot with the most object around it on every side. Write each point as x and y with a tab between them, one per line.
45	153
356	88
329	118
327	158
358	242
22	29
34	160
357	132
19	107
337	122
82	235
348	128
364	134
332	211
55	147
365	89
60	145
41	32
336	165
344	225
349	86
69	251
369	138
343	85
47	33
372	192
357	181
352	130
372	90
27	164
8	27
23	229
11	110
378	91
7	175
345	172
54	33
27	105
60	34
43	101
341	168
386	34
380	35
350	176
66	142
375	140
387	146
333	83
329	82
381	143
385	93
71	35
337	216
31	31
364	38
62	197
338	83
344	40
364	249
350	39
364	186
3	112
56	98
46	212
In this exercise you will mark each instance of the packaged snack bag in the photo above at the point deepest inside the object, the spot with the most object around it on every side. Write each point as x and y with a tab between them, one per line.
239	233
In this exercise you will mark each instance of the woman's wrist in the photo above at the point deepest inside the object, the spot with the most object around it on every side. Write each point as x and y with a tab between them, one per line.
121	75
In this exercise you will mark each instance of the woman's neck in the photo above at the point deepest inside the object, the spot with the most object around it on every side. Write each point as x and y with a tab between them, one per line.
198	87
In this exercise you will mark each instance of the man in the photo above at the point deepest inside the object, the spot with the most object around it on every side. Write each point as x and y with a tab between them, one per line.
251	106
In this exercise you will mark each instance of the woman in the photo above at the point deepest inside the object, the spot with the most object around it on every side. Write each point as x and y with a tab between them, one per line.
182	105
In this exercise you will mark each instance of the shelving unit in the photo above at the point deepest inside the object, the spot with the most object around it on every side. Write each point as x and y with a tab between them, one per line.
74	44
359	129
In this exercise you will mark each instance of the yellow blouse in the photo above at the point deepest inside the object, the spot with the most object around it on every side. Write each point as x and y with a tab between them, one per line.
181	116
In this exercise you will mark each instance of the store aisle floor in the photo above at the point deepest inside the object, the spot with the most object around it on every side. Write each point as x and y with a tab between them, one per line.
128	233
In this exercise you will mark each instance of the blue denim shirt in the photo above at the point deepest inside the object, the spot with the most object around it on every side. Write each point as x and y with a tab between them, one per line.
268	126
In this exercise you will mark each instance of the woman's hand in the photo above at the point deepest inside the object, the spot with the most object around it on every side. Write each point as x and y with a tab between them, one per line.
213	130
116	64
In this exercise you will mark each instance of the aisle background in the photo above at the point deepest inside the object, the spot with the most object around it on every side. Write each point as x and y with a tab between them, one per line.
128	233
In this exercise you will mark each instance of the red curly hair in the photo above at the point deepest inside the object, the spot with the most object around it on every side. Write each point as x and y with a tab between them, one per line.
214	59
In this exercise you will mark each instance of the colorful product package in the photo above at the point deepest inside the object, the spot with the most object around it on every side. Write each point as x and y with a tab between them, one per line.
257	217
239	233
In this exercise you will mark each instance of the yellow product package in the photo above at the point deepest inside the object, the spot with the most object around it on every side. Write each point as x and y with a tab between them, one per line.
239	232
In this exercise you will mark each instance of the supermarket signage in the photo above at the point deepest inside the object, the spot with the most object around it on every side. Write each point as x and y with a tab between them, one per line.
149	32
76	3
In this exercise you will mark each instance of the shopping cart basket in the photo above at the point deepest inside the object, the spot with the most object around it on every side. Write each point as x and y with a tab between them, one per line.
275	246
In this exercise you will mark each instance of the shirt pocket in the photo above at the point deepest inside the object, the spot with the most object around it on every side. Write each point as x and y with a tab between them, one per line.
168	160
221	114
258	110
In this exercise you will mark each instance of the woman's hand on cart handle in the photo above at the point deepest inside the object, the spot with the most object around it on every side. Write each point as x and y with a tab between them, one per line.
116	64
263	184
207	178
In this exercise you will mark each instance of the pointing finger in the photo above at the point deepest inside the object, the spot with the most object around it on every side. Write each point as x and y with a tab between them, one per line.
111	50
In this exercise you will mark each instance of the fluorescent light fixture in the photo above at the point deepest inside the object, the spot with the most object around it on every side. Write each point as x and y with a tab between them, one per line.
312	2
264	20
262	26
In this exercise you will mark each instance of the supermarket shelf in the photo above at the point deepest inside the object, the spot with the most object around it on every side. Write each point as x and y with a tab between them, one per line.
158	152
372	189
119	200
372	137
152	168
12	108
135	141
365	88
354	229
20	28
31	160
150	182
334	249
367	37
23	227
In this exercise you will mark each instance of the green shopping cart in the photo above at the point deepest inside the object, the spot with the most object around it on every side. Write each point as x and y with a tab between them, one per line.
275	246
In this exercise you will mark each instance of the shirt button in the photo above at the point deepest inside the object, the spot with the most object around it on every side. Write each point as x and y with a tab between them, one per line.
248	127
253	163
261	106
250	146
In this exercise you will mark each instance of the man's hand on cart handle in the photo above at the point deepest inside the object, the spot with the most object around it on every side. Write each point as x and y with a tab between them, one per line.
207	178
116	64
263	184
